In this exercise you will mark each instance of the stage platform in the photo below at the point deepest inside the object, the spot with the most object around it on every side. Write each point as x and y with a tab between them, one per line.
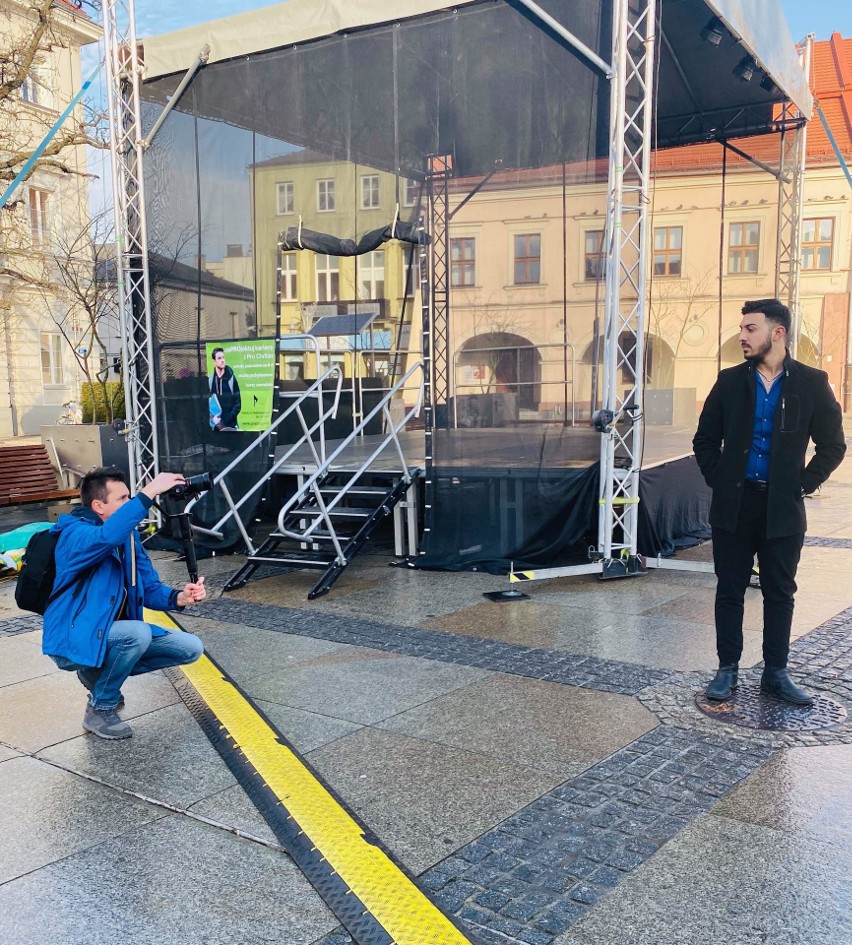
528	447
525	495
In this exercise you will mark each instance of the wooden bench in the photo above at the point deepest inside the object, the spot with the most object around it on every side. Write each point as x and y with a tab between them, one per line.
27	475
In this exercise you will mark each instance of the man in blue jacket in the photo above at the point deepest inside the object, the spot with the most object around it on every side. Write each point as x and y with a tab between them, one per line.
751	446
95	626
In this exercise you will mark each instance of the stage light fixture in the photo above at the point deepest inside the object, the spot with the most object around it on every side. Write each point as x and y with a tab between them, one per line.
713	32
744	69
768	84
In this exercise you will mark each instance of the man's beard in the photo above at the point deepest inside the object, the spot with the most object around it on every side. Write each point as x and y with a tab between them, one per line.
758	356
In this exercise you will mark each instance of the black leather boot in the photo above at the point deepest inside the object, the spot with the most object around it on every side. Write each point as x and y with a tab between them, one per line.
724	683
777	682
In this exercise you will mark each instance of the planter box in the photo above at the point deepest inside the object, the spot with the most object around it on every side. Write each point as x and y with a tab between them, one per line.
79	447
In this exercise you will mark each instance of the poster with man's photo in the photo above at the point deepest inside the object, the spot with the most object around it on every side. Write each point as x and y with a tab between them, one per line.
241	383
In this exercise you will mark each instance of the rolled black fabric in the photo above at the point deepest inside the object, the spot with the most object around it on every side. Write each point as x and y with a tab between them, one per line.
303	238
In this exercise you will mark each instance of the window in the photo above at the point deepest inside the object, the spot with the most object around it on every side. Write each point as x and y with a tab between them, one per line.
285	197
743	245
528	259
51	359
371	275
463	261
370	192
328	278
39	217
289	282
817	243
595	262
325	196
411	283
35	87
668	242
411	193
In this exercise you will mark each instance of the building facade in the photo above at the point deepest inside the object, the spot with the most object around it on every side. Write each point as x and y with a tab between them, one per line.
526	266
40	331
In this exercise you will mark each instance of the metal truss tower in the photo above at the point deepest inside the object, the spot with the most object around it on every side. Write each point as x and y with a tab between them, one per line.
439	169
631	97
123	71
791	184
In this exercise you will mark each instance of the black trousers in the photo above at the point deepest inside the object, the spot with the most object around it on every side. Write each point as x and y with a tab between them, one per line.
733	557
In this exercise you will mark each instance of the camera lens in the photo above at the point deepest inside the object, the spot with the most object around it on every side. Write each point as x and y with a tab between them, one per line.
194	486
203	482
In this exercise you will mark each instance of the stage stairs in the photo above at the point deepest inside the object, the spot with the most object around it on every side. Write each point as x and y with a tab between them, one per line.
324	528
336	509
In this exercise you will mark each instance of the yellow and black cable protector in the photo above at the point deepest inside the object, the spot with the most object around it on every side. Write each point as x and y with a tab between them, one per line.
373	897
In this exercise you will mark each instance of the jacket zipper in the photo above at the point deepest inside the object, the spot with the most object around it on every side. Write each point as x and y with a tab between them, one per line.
783	414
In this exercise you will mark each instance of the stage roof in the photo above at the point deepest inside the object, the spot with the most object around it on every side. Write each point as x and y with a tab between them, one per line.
484	80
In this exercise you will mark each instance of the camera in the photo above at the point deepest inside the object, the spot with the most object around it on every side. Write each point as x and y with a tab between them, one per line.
192	487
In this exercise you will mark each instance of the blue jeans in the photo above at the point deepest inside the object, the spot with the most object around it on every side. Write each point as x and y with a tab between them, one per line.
131	651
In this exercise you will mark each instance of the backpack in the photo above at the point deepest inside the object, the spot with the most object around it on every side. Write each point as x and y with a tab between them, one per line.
34	590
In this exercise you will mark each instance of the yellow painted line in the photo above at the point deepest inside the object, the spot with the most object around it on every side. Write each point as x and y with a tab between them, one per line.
390	896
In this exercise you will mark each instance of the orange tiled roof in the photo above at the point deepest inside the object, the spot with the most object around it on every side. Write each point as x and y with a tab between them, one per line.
831	85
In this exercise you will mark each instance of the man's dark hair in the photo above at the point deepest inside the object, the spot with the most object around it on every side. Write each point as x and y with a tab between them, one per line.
216	351
774	310
94	484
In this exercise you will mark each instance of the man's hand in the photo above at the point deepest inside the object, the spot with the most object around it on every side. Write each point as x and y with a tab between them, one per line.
162	483
192	593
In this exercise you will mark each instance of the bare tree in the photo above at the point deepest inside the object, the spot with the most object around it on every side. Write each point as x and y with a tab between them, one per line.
36	83
676	307
83	280
491	323
31	32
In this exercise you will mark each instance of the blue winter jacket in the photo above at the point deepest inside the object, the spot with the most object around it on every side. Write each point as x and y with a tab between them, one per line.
77	623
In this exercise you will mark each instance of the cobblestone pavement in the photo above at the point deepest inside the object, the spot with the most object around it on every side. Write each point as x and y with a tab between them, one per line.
534	662
21	623
536	874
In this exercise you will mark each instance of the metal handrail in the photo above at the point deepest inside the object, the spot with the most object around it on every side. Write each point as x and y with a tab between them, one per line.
311	484
314	342
295	407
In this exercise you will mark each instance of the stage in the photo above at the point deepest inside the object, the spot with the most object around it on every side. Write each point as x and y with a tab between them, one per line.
524	496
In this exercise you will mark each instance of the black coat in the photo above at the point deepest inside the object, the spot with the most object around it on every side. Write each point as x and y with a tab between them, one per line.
227	390
807	410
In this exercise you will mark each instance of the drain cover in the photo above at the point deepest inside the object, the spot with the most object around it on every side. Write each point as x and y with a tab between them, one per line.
751	708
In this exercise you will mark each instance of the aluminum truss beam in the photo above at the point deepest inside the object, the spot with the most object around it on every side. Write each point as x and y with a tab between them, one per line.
123	72
791	184
632	88
439	170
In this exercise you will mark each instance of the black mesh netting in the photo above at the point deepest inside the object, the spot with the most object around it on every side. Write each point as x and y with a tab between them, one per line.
290	185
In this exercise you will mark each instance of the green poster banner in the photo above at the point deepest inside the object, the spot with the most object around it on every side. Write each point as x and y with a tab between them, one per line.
241	383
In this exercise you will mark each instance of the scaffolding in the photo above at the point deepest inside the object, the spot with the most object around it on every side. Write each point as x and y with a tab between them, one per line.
631	74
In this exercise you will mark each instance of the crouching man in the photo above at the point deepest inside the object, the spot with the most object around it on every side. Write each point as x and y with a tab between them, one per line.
104	578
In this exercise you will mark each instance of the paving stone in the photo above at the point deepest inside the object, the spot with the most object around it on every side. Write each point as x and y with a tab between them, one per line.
591	672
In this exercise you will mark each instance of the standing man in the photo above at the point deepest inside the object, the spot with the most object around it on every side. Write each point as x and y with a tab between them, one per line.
104	579
750	445
224	386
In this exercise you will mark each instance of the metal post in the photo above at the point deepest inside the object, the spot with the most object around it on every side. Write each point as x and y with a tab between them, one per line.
428	402
123	70
633	59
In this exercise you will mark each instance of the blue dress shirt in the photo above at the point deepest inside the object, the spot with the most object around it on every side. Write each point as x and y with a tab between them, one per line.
757	468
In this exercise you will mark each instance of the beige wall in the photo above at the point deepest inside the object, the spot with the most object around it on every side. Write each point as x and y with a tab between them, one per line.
684	311
26	313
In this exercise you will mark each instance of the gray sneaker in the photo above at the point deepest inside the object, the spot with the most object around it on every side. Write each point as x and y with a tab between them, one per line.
105	723
89	684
